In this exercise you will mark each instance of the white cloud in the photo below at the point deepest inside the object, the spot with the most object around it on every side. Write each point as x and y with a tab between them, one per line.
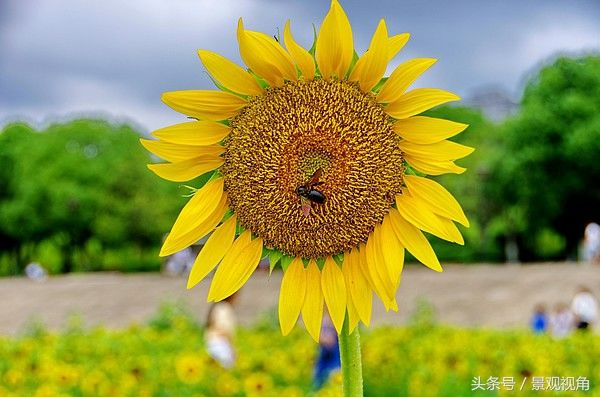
113	56
546	35
117	57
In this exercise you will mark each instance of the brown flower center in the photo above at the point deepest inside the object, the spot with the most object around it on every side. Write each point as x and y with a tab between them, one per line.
283	137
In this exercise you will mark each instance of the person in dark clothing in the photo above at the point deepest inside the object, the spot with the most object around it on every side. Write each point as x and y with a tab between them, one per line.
328	360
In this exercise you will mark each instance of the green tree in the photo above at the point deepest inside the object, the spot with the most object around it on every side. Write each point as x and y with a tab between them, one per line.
544	185
79	190
467	188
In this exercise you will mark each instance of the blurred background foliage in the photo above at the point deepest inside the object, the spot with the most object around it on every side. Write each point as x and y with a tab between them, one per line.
544	176
166	358
532	181
77	196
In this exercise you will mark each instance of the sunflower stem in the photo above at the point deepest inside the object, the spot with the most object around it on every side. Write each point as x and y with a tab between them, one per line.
352	381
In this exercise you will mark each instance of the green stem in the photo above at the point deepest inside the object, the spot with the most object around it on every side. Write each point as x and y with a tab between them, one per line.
352	380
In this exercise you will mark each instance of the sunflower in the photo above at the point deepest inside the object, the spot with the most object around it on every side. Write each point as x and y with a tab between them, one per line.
316	161
189	368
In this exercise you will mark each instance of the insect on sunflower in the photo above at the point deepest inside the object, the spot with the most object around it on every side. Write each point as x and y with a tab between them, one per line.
315	160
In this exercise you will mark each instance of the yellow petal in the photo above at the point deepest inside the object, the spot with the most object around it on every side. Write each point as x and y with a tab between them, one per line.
425	130
358	285
393	251
186	170
414	211
213	251
417	101
353	316
451	230
312	310
393	305
291	296
388	268
228	74
402	77
370	67
433	167
199	133
440	151
335	46
382	284
265	56
207	226
414	241
436	197
300	56
334	292
204	104
236	268
238	246
175	152
395	44
200	207
363	265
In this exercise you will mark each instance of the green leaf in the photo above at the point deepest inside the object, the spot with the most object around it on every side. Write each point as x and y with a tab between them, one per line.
261	82
339	258
239	229
265	253
314	44
320	263
274	257
285	261
380	84
354	60
228	214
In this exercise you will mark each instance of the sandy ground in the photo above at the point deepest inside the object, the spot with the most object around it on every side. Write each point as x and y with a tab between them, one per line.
500	296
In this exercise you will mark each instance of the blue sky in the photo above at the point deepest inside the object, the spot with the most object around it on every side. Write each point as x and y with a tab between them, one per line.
66	58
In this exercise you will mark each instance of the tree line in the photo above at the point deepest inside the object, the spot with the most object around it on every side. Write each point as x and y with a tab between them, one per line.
77	196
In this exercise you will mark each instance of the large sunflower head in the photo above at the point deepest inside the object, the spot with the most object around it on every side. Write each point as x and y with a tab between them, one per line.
316	160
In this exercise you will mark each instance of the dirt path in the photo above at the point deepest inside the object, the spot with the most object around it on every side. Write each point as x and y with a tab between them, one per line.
484	295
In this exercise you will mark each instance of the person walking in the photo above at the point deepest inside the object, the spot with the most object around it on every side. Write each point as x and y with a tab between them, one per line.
220	330
591	243
328	360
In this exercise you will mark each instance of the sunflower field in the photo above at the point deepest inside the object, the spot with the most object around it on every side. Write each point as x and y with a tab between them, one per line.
167	358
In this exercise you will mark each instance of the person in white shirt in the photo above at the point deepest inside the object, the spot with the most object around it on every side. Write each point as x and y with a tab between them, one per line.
591	243
220	330
561	321
585	308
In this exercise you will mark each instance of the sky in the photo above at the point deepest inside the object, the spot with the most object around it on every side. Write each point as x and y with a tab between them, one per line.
61	59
